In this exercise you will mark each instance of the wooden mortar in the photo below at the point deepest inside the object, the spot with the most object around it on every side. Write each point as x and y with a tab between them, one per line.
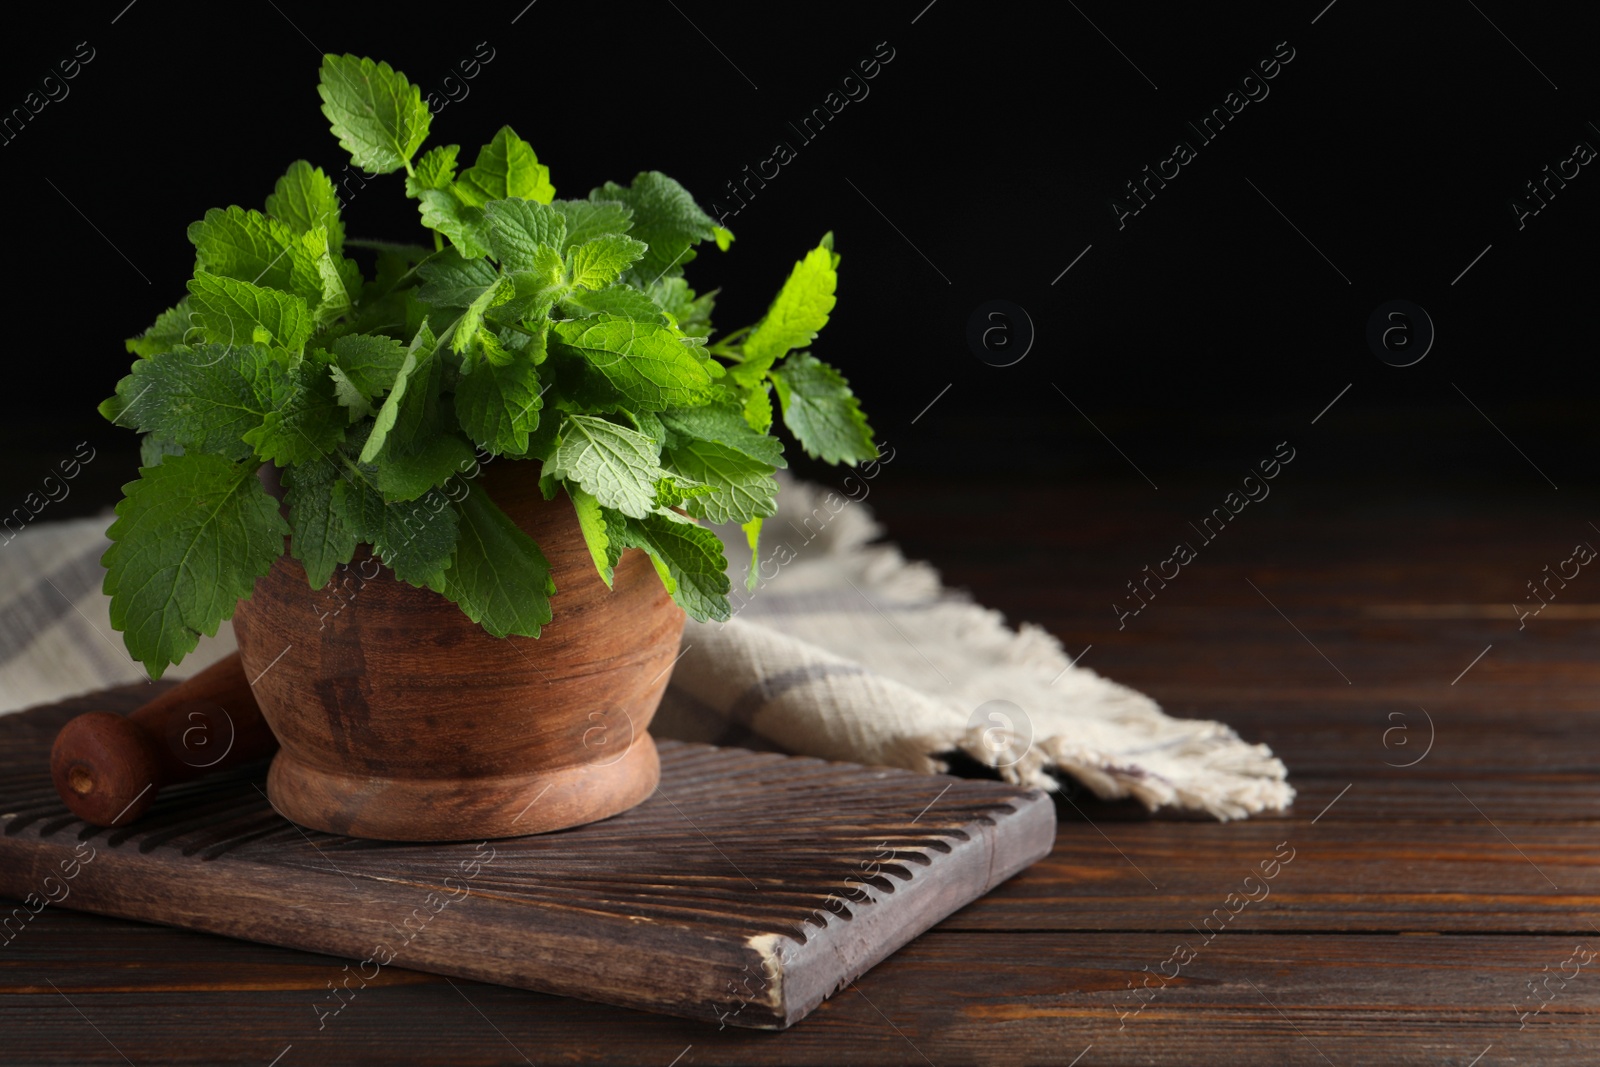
401	719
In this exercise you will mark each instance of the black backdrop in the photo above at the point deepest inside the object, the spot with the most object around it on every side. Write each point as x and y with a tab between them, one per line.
1377	163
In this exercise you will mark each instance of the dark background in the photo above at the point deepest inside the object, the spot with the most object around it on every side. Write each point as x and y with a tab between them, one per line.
1196	337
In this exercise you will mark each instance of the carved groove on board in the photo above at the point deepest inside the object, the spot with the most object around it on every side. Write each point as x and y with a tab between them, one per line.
735	849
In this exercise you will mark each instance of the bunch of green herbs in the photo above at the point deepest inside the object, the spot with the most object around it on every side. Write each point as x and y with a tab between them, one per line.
555	331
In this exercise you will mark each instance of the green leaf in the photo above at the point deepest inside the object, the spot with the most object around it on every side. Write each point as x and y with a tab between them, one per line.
665	217
673	490
380	312
435	170
205	398
575	386
171	329
498	576
153	448
673	296
406	473
506	167
412	377
544	440
303	420
340	277
518	228
647	423
250	247
464	225
752	535
322	539
597	263
414	538
190	539
489	345
742	488
651	365
451	281
498	406
467	326
822	412
229	311
369	362
724	238
349	397
378	115
393	271
588	219
758	408
304	199
592	521
618	301
800	310
692	313
537	287
688	558
618	466
724	424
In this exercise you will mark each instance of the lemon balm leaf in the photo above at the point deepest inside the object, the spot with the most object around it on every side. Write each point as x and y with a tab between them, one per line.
688	558
250	247
665	217
619	467
506	167
822	412
800	310
649	364
320	537
304	199
518	229
229	311
597	263
742	488
435	170
498	576
206	399
378	115
592	521
588	219
498	404
190	539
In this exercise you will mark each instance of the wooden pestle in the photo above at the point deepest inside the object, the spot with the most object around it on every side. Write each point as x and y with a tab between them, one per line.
109	768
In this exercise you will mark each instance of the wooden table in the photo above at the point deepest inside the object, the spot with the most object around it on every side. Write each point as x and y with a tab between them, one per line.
1438	863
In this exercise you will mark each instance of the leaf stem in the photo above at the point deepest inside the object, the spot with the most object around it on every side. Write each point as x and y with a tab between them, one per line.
730	338
726	347
398	282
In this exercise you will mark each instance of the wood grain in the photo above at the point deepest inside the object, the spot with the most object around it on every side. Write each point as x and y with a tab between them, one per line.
1273	999
110	768
749	888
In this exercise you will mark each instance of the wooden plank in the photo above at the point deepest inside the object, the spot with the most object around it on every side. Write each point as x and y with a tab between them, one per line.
1419	796
1353	875
748	889
947	998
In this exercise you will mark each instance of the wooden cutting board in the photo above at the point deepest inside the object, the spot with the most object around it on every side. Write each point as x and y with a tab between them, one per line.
746	890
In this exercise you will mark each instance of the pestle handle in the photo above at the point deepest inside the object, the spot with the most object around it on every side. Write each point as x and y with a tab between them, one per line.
109	768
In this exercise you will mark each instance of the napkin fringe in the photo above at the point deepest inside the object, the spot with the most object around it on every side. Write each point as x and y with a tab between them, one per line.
1210	768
